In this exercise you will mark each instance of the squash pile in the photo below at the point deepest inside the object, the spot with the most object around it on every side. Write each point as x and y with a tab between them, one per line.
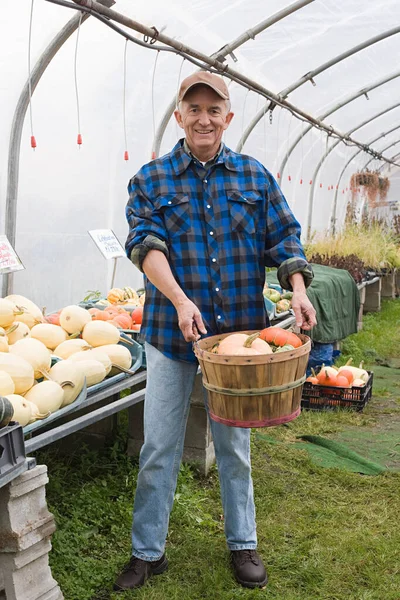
86	349
268	341
344	377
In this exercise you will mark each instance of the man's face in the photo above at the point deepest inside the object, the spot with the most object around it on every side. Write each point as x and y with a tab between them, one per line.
204	116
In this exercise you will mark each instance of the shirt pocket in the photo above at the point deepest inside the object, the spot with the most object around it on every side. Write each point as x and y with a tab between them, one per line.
244	210
175	211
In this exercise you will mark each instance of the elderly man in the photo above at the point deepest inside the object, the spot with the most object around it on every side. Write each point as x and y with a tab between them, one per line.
204	222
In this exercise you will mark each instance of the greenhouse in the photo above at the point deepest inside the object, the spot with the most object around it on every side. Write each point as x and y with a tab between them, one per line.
199	256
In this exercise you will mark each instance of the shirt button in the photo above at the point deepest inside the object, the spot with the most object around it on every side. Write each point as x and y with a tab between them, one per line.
214	260
205	181
208	206
211	233
217	289
219	317
169	202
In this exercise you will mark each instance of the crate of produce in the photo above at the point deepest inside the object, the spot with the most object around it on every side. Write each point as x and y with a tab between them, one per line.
322	397
12	449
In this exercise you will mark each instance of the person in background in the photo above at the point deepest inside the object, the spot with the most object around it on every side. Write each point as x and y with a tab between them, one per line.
204	222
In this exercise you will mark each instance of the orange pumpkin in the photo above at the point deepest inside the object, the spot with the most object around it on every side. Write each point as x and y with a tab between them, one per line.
102	315
123	321
135	327
280	337
137	315
53	319
94	312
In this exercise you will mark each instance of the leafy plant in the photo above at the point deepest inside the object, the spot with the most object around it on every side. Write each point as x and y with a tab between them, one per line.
92	295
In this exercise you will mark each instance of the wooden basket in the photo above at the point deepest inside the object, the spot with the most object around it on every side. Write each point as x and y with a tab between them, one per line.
253	391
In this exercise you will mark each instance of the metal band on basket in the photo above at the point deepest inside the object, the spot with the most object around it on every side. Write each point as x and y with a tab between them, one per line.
255	391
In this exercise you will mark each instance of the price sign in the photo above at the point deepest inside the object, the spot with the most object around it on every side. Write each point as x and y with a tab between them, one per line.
9	260
107	243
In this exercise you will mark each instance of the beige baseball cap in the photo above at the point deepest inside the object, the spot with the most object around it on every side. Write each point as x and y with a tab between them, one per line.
215	82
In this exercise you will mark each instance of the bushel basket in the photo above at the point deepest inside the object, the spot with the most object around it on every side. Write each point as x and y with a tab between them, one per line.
253	391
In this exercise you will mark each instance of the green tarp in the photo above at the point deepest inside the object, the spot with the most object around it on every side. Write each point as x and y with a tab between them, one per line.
335	297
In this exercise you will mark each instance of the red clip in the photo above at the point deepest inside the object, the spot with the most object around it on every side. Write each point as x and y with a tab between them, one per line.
289	178
79	139
278	176
33	141
310	181
126	155
153	155
301	181
320	185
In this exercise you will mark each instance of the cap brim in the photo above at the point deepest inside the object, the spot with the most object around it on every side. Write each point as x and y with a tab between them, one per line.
216	90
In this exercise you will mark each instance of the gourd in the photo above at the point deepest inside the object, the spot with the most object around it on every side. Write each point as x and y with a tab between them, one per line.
35	353
66	349
358	373
3	342
18	331
280	337
27	305
243	344
137	315
284	348
7	385
6	411
50	335
120	357
47	395
65	373
8	312
358	383
95	354
99	333
327	376
123	321
74	318
25	412
94	371
20	371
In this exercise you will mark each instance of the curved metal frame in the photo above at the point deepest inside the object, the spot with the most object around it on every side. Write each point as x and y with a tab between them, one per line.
221	55
17	125
309	77
327	153
336	107
383	150
333	216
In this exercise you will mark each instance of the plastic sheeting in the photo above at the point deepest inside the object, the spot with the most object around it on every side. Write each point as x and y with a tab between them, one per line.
65	191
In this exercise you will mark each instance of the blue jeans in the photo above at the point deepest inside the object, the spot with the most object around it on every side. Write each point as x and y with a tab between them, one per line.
166	408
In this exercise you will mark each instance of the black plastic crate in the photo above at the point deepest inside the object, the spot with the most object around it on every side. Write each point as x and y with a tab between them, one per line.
323	397
12	449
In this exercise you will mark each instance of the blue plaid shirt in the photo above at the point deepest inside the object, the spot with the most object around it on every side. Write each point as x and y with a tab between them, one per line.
219	225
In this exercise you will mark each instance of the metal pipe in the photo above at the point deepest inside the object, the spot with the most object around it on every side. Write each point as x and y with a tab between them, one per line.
221	54
327	153
16	132
218	67
383	150
333	218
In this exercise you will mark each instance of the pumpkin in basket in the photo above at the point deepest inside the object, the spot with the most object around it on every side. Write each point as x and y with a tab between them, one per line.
242	344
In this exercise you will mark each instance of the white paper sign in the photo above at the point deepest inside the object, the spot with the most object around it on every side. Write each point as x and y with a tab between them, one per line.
107	243
9	260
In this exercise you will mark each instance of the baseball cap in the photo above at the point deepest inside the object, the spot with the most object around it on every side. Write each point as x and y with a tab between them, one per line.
215	82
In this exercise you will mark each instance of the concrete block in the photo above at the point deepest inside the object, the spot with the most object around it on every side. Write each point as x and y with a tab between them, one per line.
389	285
362	294
373	297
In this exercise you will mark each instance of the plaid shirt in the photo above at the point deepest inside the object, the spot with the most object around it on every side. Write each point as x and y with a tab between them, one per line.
219	226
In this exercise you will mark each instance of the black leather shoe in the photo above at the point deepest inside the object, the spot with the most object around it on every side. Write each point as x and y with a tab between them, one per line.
248	568
136	572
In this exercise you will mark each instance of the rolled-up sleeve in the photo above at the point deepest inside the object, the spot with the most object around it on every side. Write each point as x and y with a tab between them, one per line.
283	248
146	226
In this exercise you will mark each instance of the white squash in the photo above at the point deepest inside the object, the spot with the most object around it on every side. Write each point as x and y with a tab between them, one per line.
94	371
7	385
28	319
35	353
22	409
100	333
25	412
4	343
50	335
65	372
20	332
8	312
119	356
24	303
66	349
47	395
74	318
20	371
95	354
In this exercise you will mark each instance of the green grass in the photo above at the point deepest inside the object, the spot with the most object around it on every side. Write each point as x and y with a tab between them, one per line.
325	534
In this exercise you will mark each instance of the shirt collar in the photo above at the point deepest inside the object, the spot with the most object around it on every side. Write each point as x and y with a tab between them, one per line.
181	157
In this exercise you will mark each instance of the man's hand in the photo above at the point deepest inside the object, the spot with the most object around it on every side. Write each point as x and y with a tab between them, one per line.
303	310
190	321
